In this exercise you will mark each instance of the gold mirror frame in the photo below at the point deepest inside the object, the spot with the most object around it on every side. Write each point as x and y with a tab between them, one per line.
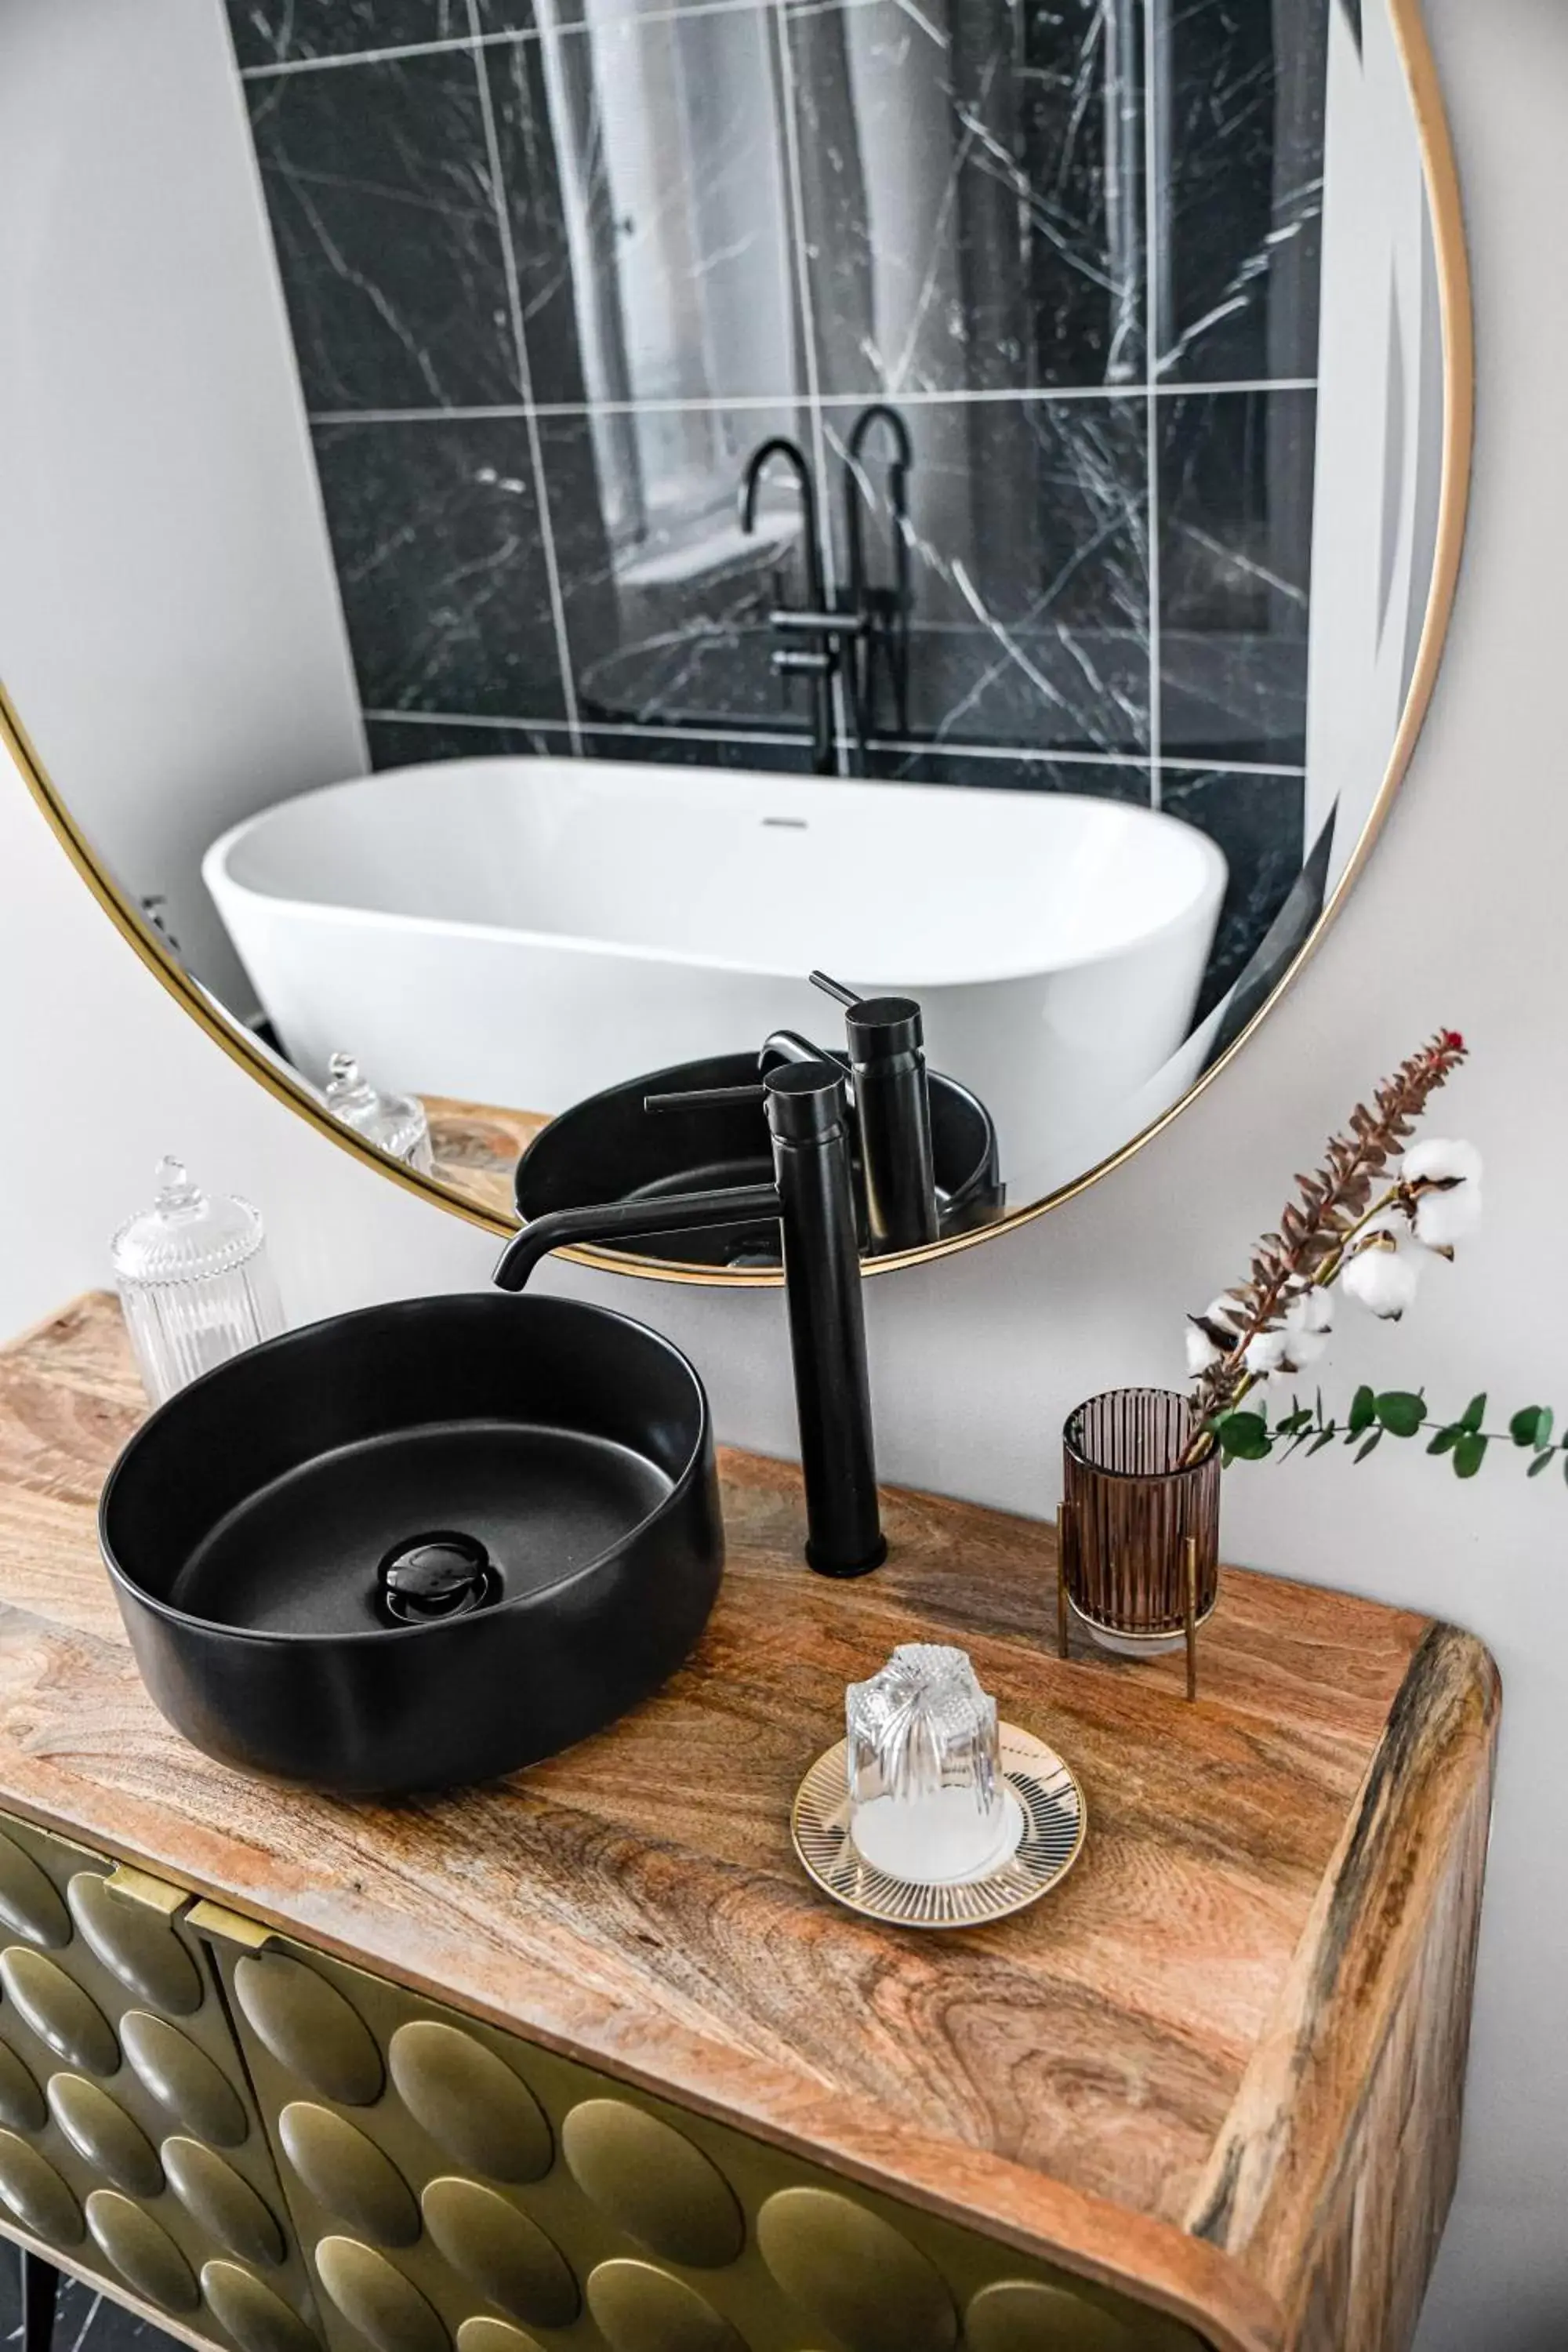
1459	409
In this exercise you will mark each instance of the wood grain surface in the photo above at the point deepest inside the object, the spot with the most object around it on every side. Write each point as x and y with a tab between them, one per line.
1183	2069
476	1148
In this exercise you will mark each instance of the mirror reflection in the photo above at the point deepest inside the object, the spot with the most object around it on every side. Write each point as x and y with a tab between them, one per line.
939	495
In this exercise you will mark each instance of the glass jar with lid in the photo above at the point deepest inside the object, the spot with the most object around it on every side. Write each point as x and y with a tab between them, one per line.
194	1284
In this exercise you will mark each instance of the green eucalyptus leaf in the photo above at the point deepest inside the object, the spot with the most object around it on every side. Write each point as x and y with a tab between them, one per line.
1245	1436
1540	1463
1400	1413
1475	1412
1531	1425
1364	1411
1445	1439
1294	1425
1369	1445
1324	1437
1469	1453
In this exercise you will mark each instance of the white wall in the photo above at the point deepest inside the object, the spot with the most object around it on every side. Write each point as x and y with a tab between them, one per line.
154	461
1459	920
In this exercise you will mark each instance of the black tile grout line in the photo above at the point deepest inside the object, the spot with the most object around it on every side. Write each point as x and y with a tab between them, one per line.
499	412
799	242
502	205
1027	754
517	35
1152	189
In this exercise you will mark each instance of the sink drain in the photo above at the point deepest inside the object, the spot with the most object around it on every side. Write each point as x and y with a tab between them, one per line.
440	1574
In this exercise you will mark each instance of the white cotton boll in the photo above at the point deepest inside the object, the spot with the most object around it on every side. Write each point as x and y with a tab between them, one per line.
1266	1352
1444	1218
1201	1353
1309	1313
1440	1161
1383	1279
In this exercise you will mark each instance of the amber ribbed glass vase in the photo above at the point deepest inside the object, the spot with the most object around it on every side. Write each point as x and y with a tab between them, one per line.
1129	1509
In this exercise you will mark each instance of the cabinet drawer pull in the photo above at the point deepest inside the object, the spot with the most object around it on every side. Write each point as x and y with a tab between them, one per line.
227	1926
141	1887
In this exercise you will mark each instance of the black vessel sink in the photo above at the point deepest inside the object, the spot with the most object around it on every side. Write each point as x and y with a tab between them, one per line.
610	1138
420	1545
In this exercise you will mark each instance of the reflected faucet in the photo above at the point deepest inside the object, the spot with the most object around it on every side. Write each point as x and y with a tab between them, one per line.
825	633
886	609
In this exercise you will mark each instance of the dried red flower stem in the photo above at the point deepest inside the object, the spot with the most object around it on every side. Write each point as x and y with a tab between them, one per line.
1333	1204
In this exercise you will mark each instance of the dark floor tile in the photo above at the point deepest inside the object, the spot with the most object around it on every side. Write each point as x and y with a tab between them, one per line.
1092	779
1028	578
85	2320
971	186
666	601
436	529
413	742
380	199
1242	88
284	32
1235	552
1258	822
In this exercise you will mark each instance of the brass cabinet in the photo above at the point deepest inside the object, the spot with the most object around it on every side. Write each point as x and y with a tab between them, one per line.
131	2148
268	2148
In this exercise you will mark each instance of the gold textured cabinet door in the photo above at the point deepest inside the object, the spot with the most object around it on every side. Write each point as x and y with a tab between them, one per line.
457	2189
130	2140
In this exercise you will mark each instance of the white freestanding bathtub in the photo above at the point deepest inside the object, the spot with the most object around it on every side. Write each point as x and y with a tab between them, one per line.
524	932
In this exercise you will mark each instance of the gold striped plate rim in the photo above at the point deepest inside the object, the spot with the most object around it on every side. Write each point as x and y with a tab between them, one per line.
1056	1822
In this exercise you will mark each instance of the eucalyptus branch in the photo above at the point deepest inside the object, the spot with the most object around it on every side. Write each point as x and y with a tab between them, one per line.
1391	1412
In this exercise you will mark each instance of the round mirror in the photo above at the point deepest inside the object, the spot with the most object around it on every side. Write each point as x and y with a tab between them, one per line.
554	552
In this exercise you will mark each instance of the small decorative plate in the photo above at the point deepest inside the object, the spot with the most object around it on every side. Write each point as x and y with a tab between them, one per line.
1055	1821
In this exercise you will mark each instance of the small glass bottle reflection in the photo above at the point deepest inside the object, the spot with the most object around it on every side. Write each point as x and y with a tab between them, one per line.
397	1124
193	1281
928	1802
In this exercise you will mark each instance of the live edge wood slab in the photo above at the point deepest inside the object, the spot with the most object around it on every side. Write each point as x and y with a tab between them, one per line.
1220	2065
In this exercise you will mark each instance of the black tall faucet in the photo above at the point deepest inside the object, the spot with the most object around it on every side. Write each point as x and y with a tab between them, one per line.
807	1112
822	633
886	609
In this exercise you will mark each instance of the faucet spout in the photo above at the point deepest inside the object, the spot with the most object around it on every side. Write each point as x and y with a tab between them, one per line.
791	455
807	1115
622	1221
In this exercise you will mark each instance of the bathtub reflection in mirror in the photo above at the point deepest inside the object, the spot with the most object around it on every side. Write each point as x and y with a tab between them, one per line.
963	499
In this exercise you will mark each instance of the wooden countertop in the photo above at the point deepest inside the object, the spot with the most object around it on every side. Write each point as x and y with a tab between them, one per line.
476	1148
1160	2073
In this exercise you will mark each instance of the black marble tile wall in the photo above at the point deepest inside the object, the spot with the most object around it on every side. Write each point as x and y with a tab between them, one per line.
550	288
1241	134
1235	559
1258	822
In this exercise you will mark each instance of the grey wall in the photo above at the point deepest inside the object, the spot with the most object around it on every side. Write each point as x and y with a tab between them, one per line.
1458	919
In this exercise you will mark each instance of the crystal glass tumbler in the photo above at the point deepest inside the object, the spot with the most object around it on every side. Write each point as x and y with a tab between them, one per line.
928	1802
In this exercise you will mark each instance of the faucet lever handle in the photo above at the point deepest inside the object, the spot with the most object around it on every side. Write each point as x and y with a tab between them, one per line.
834	988
704	1097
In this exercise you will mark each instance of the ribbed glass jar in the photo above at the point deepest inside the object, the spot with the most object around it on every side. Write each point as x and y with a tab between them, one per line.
193	1281
1129	1509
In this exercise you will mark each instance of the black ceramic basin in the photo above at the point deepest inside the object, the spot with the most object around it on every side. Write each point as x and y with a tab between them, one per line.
611	1136
420	1545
